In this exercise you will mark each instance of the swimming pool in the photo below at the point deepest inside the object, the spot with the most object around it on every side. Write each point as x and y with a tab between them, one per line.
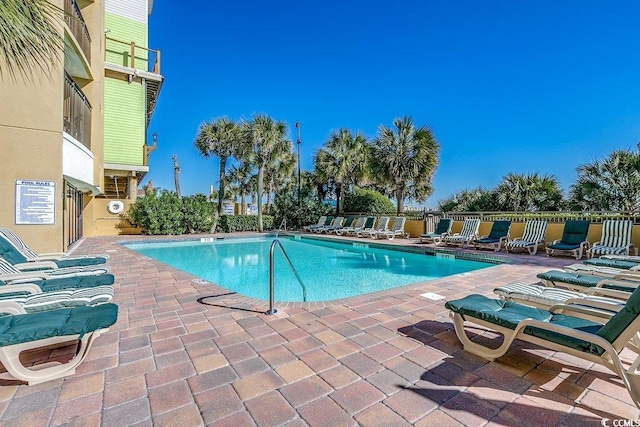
329	270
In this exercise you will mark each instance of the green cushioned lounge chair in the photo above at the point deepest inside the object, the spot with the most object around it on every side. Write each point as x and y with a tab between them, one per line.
563	328
327	222
466	235
381	225
22	253
348	229
577	280
532	237
573	240
318	224
442	230
335	224
604	302
498	235
22	332
613	263
347	223
10	271
615	240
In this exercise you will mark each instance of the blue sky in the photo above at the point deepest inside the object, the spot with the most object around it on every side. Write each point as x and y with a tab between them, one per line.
505	86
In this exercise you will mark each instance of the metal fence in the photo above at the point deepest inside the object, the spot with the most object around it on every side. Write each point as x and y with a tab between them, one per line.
76	112
75	22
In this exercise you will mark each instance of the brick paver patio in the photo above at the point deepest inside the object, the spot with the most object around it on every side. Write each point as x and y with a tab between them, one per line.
189	354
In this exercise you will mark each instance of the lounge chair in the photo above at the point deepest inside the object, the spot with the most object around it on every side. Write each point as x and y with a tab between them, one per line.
335	224
29	300
396	229
466	235
320	223
613	263
348	222
545	297
21	332
615	240
442	230
348	229
573	240
578	280
368	225
328	220
382	225
9	271
26	255
498	235
532	237
563	328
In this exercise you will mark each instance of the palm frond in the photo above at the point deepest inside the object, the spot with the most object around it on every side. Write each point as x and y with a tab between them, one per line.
30	37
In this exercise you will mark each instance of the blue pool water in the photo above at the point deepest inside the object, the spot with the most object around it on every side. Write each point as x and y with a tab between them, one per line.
329	270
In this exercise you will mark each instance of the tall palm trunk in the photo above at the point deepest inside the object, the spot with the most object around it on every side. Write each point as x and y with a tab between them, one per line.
223	167
260	183
338	195
400	201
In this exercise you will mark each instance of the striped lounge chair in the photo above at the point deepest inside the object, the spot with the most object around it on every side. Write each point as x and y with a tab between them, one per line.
22	253
467	234
615	240
382	225
532	237
396	229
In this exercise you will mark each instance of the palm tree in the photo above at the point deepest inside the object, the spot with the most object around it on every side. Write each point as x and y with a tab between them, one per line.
342	160
404	160
609	184
218	138
30	37
240	177
469	200
268	139
279	174
529	192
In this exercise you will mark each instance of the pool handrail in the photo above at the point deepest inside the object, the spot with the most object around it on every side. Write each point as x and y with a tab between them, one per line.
275	242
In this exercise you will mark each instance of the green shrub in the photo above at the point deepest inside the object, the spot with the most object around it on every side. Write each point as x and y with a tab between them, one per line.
158	214
370	201
285	206
198	213
231	223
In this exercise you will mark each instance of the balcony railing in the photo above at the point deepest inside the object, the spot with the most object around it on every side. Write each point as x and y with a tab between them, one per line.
75	22
127	53
76	112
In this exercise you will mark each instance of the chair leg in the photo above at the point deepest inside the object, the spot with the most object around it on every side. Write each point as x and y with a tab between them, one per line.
475	348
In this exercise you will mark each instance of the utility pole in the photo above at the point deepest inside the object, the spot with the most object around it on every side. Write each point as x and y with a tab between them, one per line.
176	174
299	141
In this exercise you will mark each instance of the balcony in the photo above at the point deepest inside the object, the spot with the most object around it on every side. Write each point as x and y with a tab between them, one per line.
129	61
76	112
75	22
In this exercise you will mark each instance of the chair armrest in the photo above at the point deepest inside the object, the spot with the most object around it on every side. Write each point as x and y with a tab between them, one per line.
556	241
631	284
36	265
606	292
582	312
11	307
24	277
29	288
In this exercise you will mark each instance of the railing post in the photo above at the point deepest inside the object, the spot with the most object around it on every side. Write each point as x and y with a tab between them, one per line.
271	310
133	54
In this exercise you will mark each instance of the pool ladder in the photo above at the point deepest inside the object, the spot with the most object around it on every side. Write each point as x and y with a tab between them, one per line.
275	243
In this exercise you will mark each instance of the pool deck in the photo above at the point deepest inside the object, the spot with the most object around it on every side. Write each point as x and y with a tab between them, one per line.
189	353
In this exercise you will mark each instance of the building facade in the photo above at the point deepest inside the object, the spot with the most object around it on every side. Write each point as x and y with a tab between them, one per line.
75	139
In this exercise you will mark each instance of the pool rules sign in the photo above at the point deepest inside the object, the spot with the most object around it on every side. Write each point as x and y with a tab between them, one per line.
35	202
